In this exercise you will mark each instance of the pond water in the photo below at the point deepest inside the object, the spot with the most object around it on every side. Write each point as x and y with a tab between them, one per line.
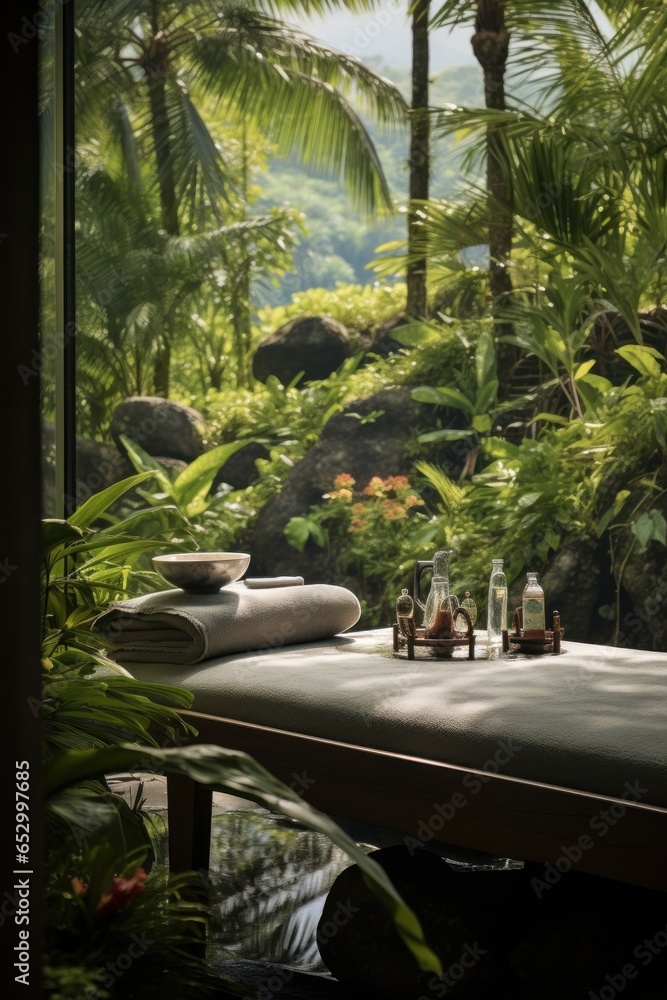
269	880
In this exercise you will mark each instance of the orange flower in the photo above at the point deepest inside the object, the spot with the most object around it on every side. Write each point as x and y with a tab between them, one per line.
392	510
396	482
413	501
358	509
121	892
375	487
344	479
356	524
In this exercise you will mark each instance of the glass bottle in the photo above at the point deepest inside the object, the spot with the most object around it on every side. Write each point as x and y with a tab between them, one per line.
404	605
441	606
534	622
496	608
469	604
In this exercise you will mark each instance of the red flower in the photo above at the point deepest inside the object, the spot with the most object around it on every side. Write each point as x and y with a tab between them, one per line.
121	892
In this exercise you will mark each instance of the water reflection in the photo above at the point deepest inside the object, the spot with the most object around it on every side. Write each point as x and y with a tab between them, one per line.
269	881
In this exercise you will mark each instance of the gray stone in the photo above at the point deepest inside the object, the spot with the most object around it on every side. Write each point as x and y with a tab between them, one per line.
477	916
643	578
159	426
377	446
240	470
383	341
315	345
571	586
173	466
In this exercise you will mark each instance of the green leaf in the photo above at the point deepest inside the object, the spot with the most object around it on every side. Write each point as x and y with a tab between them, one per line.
598	382
650	527
442	396
482	423
660	425
297	532
486	396
551	418
416	334
446	434
238	774
143	462
612	512
496	447
485	360
98	503
646	360
56	532
584	369
194	483
528	499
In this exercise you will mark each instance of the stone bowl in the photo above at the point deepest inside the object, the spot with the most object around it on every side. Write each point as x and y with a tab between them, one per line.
202	572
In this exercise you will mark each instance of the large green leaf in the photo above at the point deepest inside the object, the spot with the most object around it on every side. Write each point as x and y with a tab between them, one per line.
56	532
650	527
194	483
485	360
99	503
238	774
145	463
442	395
646	360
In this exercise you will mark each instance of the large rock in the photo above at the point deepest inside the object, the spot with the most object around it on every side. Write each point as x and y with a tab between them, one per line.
473	920
159	426
315	345
383	341
375	446
240	470
643	575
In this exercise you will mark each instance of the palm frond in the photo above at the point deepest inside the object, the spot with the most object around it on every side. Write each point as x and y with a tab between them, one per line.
305	115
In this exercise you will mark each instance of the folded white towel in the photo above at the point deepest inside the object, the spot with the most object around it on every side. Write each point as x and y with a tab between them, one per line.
174	627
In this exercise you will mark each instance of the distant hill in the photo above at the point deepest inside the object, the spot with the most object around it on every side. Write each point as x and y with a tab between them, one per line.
339	243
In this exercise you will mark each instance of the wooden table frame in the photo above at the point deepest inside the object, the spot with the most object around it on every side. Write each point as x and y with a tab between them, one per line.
496	814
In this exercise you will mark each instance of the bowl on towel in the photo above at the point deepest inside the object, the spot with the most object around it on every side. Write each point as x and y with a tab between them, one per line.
202	572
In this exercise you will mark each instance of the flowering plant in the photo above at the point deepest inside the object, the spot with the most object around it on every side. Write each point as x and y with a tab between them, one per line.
370	531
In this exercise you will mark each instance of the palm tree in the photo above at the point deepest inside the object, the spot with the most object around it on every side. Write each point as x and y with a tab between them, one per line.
134	281
582	154
150	63
420	157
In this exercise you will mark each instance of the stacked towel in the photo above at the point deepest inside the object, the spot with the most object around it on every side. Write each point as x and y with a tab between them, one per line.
174	627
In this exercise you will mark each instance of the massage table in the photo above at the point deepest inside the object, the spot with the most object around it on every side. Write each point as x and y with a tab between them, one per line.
553	759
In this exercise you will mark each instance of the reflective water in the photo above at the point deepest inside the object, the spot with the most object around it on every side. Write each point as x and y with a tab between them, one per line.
269	880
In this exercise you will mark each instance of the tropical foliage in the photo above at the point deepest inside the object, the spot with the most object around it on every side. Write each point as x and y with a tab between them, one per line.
544	395
101	903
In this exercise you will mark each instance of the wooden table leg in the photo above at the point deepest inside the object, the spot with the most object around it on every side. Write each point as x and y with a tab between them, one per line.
189	818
